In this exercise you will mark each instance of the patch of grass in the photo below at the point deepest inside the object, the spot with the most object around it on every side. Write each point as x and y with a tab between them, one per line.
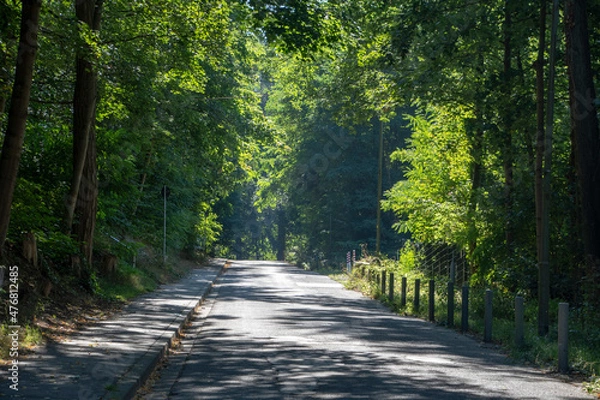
29	336
593	386
126	283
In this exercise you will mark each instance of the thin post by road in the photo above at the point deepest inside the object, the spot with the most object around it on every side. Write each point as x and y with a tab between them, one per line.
563	338
450	304
417	299
431	300
519	321
403	292
488	318
464	324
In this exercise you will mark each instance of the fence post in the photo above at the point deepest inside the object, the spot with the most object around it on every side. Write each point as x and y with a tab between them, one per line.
450	304
348	263
417	299
383	284
488	318
403	293
519	322
563	338
431	300
464	323
391	295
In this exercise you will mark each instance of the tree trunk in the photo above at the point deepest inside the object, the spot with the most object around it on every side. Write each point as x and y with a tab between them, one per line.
541	221
540	102
507	122
17	114
84	105
585	132
544	168
475	133
87	201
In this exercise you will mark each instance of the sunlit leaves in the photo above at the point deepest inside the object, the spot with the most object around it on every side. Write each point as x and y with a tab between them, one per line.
432	202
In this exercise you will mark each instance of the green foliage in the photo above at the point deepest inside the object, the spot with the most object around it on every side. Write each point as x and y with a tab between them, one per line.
57	246
433	200
31	211
127	283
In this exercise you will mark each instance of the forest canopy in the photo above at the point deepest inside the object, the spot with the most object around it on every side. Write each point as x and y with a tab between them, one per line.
301	130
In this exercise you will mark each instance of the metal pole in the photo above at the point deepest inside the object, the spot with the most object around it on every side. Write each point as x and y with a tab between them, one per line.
379	188
165	224
563	338
450	304
417	298
519	322
431	300
403	292
487	330
464	324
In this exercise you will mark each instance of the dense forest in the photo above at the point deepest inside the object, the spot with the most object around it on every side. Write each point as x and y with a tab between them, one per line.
301	130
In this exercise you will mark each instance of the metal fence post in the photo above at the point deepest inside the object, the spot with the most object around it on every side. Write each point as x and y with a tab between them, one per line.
488	318
403	293
431	300
464	324
519	322
450	304
563	338
417	298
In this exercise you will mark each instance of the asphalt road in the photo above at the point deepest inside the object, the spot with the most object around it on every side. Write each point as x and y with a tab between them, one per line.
273	331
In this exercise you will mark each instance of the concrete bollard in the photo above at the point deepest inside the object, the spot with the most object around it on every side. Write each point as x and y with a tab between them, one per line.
431	300
450	322
464	323
563	338
488	317
403	293
391	294
519	321
417	299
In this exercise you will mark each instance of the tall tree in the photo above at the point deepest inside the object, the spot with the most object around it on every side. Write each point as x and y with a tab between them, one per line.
8	38
89	14
17	114
84	98
584	129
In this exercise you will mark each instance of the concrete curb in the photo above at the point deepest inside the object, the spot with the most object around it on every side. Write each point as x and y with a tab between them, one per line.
126	386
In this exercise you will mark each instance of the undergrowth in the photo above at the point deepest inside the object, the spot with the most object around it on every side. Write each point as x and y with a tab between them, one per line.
53	290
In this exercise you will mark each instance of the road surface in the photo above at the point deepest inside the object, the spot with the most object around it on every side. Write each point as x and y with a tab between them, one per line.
273	331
